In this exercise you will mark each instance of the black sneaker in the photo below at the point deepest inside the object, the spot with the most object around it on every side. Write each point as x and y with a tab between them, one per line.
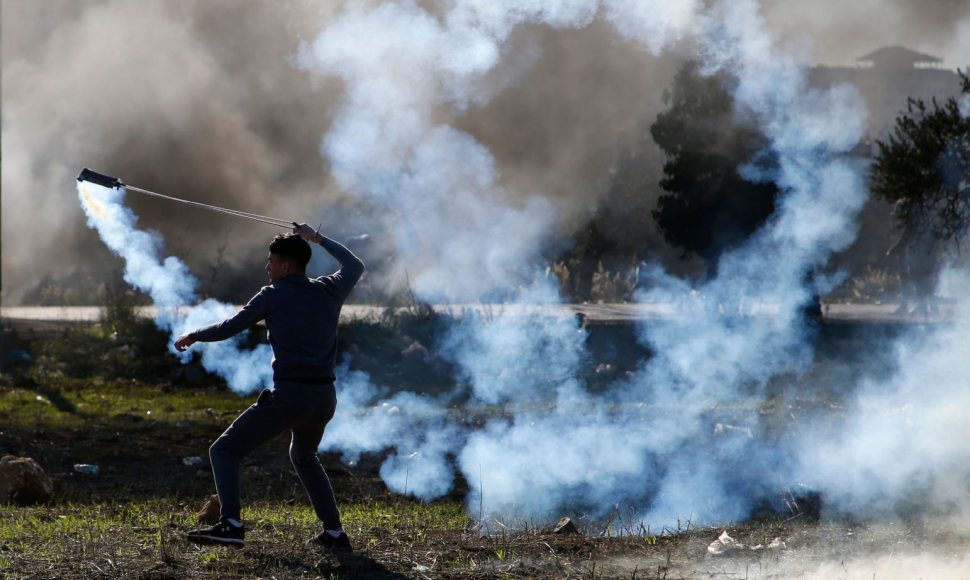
221	533
326	540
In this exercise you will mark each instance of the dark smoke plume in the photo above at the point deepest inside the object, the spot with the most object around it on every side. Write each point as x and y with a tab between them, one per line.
199	100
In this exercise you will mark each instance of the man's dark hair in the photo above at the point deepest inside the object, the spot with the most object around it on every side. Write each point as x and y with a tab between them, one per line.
292	246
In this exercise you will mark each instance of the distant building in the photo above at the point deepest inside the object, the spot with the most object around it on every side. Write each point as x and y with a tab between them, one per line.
898	58
886	78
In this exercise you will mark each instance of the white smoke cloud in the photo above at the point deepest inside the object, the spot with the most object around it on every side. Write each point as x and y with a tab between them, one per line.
708	358
459	236
413	64
655	23
649	441
531	467
517	356
895	446
416	426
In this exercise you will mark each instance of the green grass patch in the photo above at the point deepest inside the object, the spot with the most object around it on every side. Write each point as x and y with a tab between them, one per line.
29	401
120	539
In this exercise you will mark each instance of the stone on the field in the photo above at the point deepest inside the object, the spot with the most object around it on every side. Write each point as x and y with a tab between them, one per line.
210	512
23	481
565	526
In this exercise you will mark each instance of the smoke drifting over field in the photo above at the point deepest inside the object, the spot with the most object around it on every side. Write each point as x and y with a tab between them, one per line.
896	449
521	466
399	145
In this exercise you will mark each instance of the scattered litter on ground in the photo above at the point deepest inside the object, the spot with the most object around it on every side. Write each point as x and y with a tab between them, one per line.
87	469
725	545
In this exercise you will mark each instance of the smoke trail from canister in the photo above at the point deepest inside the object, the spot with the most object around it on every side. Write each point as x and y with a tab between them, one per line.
168	282
171	286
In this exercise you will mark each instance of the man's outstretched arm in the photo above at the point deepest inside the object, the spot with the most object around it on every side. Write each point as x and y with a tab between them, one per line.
250	314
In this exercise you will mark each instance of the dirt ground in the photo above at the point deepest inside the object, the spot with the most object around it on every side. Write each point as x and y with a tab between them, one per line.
143	458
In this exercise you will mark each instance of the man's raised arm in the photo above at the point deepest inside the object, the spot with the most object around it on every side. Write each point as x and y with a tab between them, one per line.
351	267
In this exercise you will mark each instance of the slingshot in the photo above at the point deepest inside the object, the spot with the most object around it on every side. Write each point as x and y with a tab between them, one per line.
103	180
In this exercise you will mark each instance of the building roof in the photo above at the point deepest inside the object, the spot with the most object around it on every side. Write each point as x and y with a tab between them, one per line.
897	57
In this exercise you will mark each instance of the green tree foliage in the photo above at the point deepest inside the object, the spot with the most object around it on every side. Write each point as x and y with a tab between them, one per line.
923	169
709	206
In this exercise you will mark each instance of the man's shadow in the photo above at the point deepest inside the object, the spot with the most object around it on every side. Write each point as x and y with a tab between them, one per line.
341	565
333	564
357	565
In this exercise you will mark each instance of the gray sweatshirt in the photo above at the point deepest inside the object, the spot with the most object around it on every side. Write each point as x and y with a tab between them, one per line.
301	314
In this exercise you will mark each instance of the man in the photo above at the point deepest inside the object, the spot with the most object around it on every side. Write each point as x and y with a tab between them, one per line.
301	315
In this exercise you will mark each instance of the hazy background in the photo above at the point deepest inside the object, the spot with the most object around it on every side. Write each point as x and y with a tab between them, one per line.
198	99
489	143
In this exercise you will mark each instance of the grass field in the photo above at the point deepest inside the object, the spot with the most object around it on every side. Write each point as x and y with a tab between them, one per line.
129	520
84	399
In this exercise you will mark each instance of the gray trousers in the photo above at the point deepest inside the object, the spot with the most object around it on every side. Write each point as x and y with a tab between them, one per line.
303	409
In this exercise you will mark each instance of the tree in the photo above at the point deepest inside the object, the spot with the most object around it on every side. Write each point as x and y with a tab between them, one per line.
923	170
620	232
709	206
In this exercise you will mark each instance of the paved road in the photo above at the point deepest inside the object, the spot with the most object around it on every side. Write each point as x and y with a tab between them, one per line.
594	313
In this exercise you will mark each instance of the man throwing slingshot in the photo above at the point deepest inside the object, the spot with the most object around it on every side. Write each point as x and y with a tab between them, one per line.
301	314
